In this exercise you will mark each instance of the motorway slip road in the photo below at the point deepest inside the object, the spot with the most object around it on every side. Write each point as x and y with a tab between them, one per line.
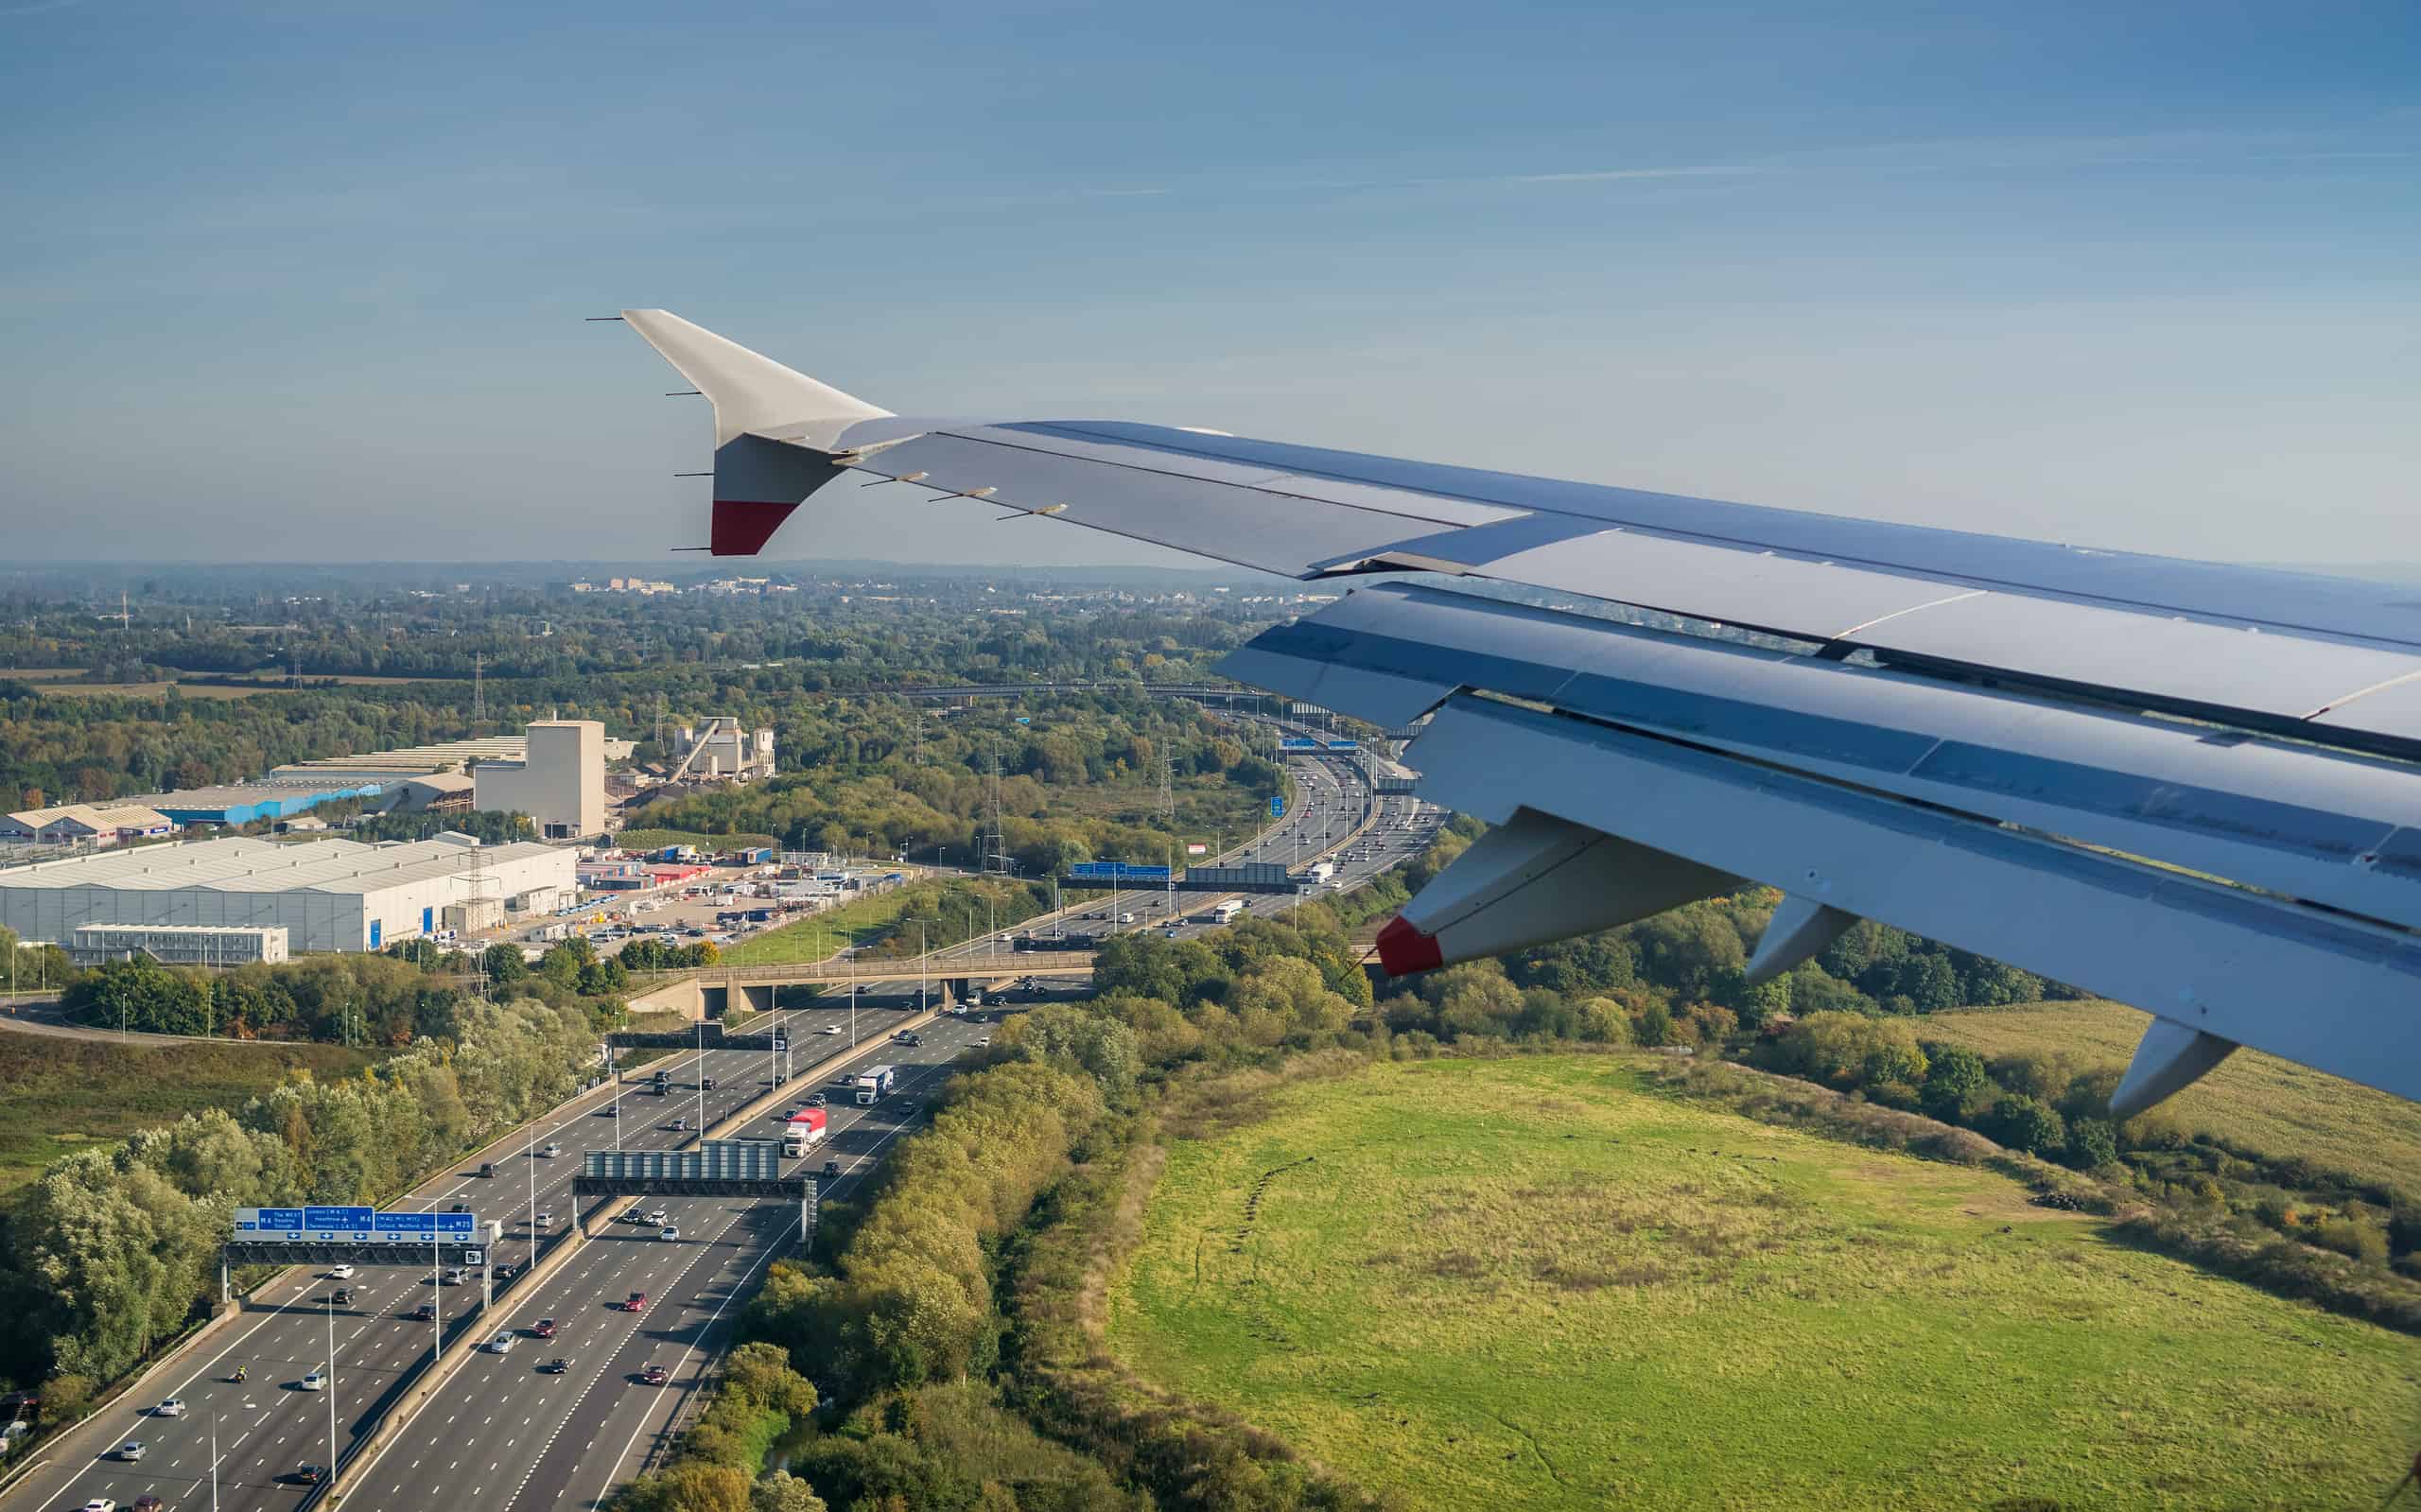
269	1426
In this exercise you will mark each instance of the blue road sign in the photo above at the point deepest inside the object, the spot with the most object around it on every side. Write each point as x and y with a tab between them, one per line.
420	1223
1298	743
1116	872
1277	806
280	1217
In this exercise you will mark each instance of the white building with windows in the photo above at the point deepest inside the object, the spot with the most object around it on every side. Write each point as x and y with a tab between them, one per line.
332	895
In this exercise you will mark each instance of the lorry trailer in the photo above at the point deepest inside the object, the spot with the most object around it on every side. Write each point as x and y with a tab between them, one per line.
874	1085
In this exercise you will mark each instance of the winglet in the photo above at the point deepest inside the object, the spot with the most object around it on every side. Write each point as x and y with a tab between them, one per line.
752	394
775	429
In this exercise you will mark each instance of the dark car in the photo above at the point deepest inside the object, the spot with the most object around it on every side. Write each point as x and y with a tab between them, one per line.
555	1366
705	1083
341	1296
459	1208
611	1111
307	1473
814	1100
654	1375
832	1170
506	1272
487	1168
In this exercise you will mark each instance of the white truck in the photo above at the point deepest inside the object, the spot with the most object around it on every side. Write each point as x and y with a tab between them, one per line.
1226	912
802	1131
874	1085
1322	871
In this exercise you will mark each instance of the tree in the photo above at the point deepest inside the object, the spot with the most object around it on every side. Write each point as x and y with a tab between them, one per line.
2022	1123
503	963
781	1491
2092	1143
1955	1083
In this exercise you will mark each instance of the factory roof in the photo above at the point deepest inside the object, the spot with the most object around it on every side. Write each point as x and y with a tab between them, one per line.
98	815
240	794
434	757
242	864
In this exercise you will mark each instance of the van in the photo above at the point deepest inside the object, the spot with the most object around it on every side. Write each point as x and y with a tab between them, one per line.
487	1168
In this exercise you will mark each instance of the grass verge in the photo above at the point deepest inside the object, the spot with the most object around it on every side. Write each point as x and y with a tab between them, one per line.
59	1095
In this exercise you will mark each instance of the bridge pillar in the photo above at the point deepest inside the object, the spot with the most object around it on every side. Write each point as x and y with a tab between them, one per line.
758	1000
957	988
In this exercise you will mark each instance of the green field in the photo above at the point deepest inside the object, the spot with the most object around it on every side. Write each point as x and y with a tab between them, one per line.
58	1094
819	935
2252	1101
1534	1283
712	844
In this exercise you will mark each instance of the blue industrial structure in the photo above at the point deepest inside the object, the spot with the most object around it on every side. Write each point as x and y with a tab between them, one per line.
243	803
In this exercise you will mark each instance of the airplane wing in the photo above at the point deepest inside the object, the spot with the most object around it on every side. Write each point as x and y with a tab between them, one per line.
2182	785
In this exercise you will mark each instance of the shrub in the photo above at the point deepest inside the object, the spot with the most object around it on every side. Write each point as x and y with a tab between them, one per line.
2022	1123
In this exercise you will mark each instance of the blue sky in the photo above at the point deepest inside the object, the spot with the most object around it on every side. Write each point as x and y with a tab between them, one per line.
305	281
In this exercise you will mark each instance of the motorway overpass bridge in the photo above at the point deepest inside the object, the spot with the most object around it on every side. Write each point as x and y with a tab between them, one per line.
954	974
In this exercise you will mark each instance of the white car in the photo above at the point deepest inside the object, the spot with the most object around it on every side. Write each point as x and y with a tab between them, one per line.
173	1407
551	1149
544	1218
983	1043
829	1029
100	1503
668	1232
341	1273
657	1216
133	1449
502	1344
315	1382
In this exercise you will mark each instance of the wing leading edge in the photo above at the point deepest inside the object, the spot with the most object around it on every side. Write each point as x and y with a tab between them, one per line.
2181	785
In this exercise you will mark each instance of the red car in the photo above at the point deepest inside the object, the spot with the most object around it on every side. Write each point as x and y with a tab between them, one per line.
636	1303
543	1329
654	1375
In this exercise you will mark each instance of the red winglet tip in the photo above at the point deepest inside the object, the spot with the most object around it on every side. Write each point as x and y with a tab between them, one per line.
1405	950
742	526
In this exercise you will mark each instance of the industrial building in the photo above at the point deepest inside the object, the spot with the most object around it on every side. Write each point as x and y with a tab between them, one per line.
438	792
241	803
335	895
178	945
719	748
559	782
85	824
384	767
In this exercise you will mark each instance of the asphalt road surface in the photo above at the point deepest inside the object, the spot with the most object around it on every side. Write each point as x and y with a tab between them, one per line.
269	1426
503	1434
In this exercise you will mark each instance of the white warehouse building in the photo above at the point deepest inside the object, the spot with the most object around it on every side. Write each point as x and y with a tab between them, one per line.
334	894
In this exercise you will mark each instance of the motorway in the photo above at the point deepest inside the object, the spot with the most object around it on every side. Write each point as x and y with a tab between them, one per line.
269	1427
501	1433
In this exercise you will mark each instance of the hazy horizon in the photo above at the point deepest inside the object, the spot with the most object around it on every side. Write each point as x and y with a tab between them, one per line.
297	285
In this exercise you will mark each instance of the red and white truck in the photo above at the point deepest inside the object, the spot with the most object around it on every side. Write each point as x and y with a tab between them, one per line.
802	1131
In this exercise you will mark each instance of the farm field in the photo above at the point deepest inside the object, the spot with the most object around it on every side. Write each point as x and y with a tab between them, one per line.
1535	1283
818	935
2252	1101
59	1095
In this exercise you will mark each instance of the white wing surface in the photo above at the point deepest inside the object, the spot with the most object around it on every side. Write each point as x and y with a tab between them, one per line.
2182	785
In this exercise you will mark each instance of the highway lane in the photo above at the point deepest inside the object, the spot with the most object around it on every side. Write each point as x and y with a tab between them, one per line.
507	1436
267	1426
